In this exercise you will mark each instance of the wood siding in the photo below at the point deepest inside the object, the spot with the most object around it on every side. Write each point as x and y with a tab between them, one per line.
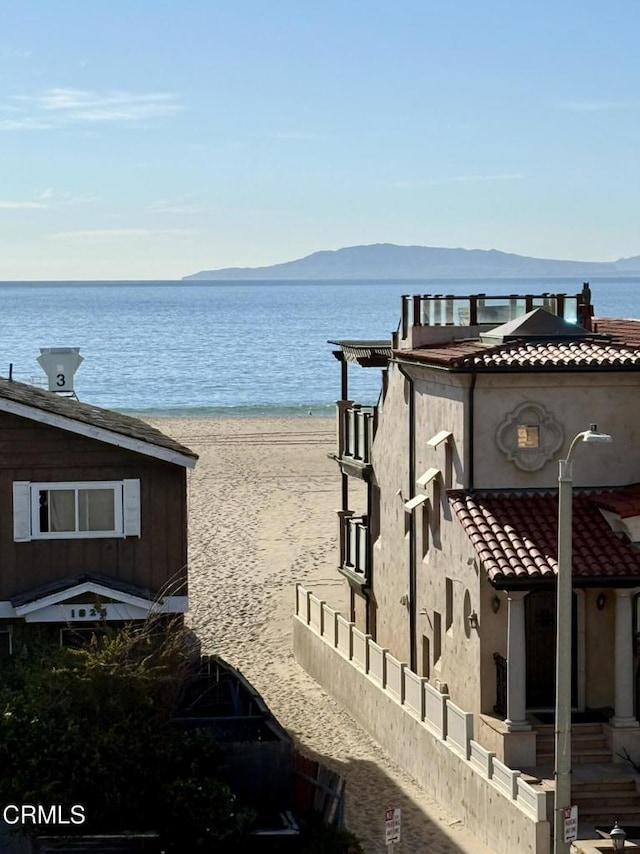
35	452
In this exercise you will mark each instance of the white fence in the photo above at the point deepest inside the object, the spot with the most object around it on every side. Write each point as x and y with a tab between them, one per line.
434	709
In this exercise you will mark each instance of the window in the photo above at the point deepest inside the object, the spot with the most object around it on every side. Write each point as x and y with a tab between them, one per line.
437	636
425	530
425	656
88	509
448	611
528	436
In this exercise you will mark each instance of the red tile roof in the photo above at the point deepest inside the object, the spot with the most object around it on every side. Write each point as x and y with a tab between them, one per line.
515	534
625	502
587	353
622	351
621	329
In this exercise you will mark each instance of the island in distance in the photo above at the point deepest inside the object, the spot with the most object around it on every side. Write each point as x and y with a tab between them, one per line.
389	261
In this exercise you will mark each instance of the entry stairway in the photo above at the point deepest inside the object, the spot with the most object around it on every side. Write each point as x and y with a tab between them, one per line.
603	791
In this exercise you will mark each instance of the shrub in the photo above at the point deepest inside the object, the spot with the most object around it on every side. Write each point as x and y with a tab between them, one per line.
92	726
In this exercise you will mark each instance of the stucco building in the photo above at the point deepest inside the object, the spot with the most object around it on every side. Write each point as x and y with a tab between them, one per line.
448	524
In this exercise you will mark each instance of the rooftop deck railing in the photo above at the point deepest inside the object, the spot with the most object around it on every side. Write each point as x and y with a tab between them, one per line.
451	310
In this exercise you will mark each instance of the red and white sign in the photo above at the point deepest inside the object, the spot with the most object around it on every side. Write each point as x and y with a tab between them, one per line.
392	819
570	815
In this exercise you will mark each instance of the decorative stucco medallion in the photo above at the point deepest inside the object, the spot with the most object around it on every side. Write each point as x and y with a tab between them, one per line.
529	436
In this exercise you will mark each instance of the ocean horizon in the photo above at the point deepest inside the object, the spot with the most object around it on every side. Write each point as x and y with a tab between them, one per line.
206	349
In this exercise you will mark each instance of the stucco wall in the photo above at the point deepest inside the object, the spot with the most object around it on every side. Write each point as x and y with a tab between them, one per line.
574	400
448	777
599	644
439	405
442	550
451	562
391	550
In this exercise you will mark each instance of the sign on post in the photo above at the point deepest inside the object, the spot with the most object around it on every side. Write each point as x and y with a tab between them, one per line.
392	820
570	815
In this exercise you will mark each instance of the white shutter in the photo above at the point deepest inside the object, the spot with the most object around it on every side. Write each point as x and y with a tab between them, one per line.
21	511
131	507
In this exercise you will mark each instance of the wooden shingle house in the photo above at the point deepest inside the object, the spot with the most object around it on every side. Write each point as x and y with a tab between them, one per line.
93	517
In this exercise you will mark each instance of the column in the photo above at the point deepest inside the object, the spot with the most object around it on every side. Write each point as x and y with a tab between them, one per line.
341	412
516	664
624	661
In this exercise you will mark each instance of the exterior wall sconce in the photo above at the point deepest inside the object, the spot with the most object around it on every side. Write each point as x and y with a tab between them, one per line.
495	604
618	837
601	601
473	620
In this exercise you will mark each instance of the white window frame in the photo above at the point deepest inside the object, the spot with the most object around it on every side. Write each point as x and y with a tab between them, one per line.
26	503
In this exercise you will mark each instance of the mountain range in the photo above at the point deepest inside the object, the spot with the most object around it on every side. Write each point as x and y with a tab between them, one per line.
389	261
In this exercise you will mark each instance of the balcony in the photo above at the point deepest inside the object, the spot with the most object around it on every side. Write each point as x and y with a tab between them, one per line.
434	318
356	430
354	548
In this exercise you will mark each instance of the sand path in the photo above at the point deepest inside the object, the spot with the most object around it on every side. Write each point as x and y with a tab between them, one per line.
262	516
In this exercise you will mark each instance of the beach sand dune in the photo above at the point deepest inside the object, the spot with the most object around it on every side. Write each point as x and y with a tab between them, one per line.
261	517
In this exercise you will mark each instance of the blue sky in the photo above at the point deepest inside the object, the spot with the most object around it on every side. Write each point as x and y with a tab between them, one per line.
150	140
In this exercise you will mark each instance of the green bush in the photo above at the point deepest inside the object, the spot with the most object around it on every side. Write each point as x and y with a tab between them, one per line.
92	726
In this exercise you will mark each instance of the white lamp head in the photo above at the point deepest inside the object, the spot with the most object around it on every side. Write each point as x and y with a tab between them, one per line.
594	435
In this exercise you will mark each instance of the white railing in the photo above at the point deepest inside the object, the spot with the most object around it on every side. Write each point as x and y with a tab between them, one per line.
459	728
359	430
377	660
355	543
360	648
414	693
421	700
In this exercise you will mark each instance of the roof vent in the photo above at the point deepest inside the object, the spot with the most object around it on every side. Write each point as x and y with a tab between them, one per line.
538	324
60	365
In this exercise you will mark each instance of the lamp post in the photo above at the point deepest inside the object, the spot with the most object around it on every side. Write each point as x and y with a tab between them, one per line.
563	638
618	837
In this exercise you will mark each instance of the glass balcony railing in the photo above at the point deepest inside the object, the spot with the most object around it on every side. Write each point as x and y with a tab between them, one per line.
453	310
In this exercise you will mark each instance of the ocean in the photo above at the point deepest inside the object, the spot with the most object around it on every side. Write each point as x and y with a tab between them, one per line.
229	348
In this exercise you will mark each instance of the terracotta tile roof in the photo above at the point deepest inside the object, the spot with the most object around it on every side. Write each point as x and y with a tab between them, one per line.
515	534
587	353
621	329
625	502
106	419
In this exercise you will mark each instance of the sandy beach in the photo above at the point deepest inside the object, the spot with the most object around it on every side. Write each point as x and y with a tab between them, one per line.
262	516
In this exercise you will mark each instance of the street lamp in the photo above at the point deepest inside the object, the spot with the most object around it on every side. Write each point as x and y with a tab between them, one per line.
618	837
563	638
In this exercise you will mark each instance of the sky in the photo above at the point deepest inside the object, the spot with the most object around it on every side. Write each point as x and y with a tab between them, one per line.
151	139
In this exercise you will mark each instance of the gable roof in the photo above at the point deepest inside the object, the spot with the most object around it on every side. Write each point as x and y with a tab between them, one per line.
516	535
104	425
71	585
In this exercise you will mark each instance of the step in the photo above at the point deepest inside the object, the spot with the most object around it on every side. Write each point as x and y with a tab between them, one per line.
548	729
585	757
630	801
598	756
597	815
597	788
545	745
